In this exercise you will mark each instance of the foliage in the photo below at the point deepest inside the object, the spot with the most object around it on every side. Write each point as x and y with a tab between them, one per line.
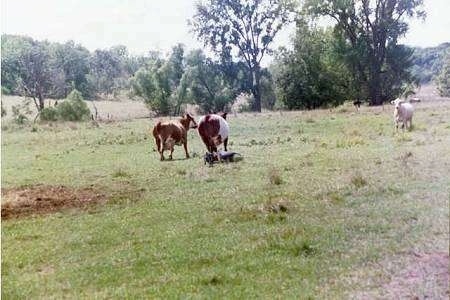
27	68
310	75
245	26
71	62
42	69
21	111
106	70
371	30
152	84
443	79
3	110
428	61
397	76
74	108
48	114
206	85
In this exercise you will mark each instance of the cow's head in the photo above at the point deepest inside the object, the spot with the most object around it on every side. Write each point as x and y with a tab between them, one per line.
397	102
188	121
222	114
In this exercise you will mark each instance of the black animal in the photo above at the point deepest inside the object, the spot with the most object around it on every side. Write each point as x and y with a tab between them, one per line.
357	103
209	158
221	156
227	156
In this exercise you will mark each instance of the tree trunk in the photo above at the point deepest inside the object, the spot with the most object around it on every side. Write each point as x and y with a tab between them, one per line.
41	102
375	85
256	90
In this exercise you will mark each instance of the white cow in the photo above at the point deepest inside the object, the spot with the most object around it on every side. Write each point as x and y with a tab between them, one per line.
403	113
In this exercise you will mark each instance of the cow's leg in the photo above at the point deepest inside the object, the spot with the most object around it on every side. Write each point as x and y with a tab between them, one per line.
225	143
171	151
186	149
162	150
410	124
158	144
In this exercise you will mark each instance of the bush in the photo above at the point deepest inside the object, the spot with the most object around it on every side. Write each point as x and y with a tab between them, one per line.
6	91
3	111
19	115
75	95
72	109
443	79
48	114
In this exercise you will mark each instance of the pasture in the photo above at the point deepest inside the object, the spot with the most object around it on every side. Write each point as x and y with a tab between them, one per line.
325	204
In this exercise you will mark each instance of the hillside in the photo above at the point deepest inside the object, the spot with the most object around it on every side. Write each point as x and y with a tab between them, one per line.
428	61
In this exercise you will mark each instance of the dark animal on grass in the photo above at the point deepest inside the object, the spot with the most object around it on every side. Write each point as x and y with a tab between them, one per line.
357	104
221	156
171	133
213	130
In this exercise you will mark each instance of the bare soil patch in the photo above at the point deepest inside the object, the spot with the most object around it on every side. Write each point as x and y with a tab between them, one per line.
425	277
421	276
44	199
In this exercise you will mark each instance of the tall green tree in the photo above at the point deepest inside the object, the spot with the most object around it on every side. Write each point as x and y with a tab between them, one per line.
36	74
372	30
247	27
12	48
151	84
206	84
158	83
72	61
107	70
311	75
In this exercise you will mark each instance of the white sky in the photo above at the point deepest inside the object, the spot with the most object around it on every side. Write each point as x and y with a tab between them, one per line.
144	25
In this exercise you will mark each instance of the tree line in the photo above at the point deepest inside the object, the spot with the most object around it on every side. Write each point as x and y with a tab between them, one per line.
359	57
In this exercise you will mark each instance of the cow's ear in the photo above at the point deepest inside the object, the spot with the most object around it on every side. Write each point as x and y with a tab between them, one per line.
224	115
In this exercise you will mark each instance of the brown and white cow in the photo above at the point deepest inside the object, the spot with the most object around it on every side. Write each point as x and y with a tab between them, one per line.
168	134
213	130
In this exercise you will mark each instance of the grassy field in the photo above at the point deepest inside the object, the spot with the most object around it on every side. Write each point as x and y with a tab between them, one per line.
325	204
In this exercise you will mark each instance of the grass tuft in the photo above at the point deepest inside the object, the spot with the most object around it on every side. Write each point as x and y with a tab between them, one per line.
120	173
275	177
358	181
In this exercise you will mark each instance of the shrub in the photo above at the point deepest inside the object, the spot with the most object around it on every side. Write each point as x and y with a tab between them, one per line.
3	111
19	114
275	177
75	95
48	114
73	109
358	181
6	90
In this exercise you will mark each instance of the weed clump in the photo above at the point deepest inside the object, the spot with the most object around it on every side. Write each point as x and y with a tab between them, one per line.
275	177
358	181
304	248
120	173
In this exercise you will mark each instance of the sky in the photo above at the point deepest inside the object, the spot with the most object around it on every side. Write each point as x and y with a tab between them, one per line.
144	25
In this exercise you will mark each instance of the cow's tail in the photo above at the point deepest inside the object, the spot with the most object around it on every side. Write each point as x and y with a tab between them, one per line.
157	129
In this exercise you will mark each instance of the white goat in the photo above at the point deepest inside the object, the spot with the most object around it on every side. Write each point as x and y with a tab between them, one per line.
403	113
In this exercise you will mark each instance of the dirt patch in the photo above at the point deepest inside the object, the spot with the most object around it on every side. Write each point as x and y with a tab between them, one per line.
425	277
42	199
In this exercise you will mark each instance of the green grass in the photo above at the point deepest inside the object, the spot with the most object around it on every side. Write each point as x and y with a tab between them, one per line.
355	194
